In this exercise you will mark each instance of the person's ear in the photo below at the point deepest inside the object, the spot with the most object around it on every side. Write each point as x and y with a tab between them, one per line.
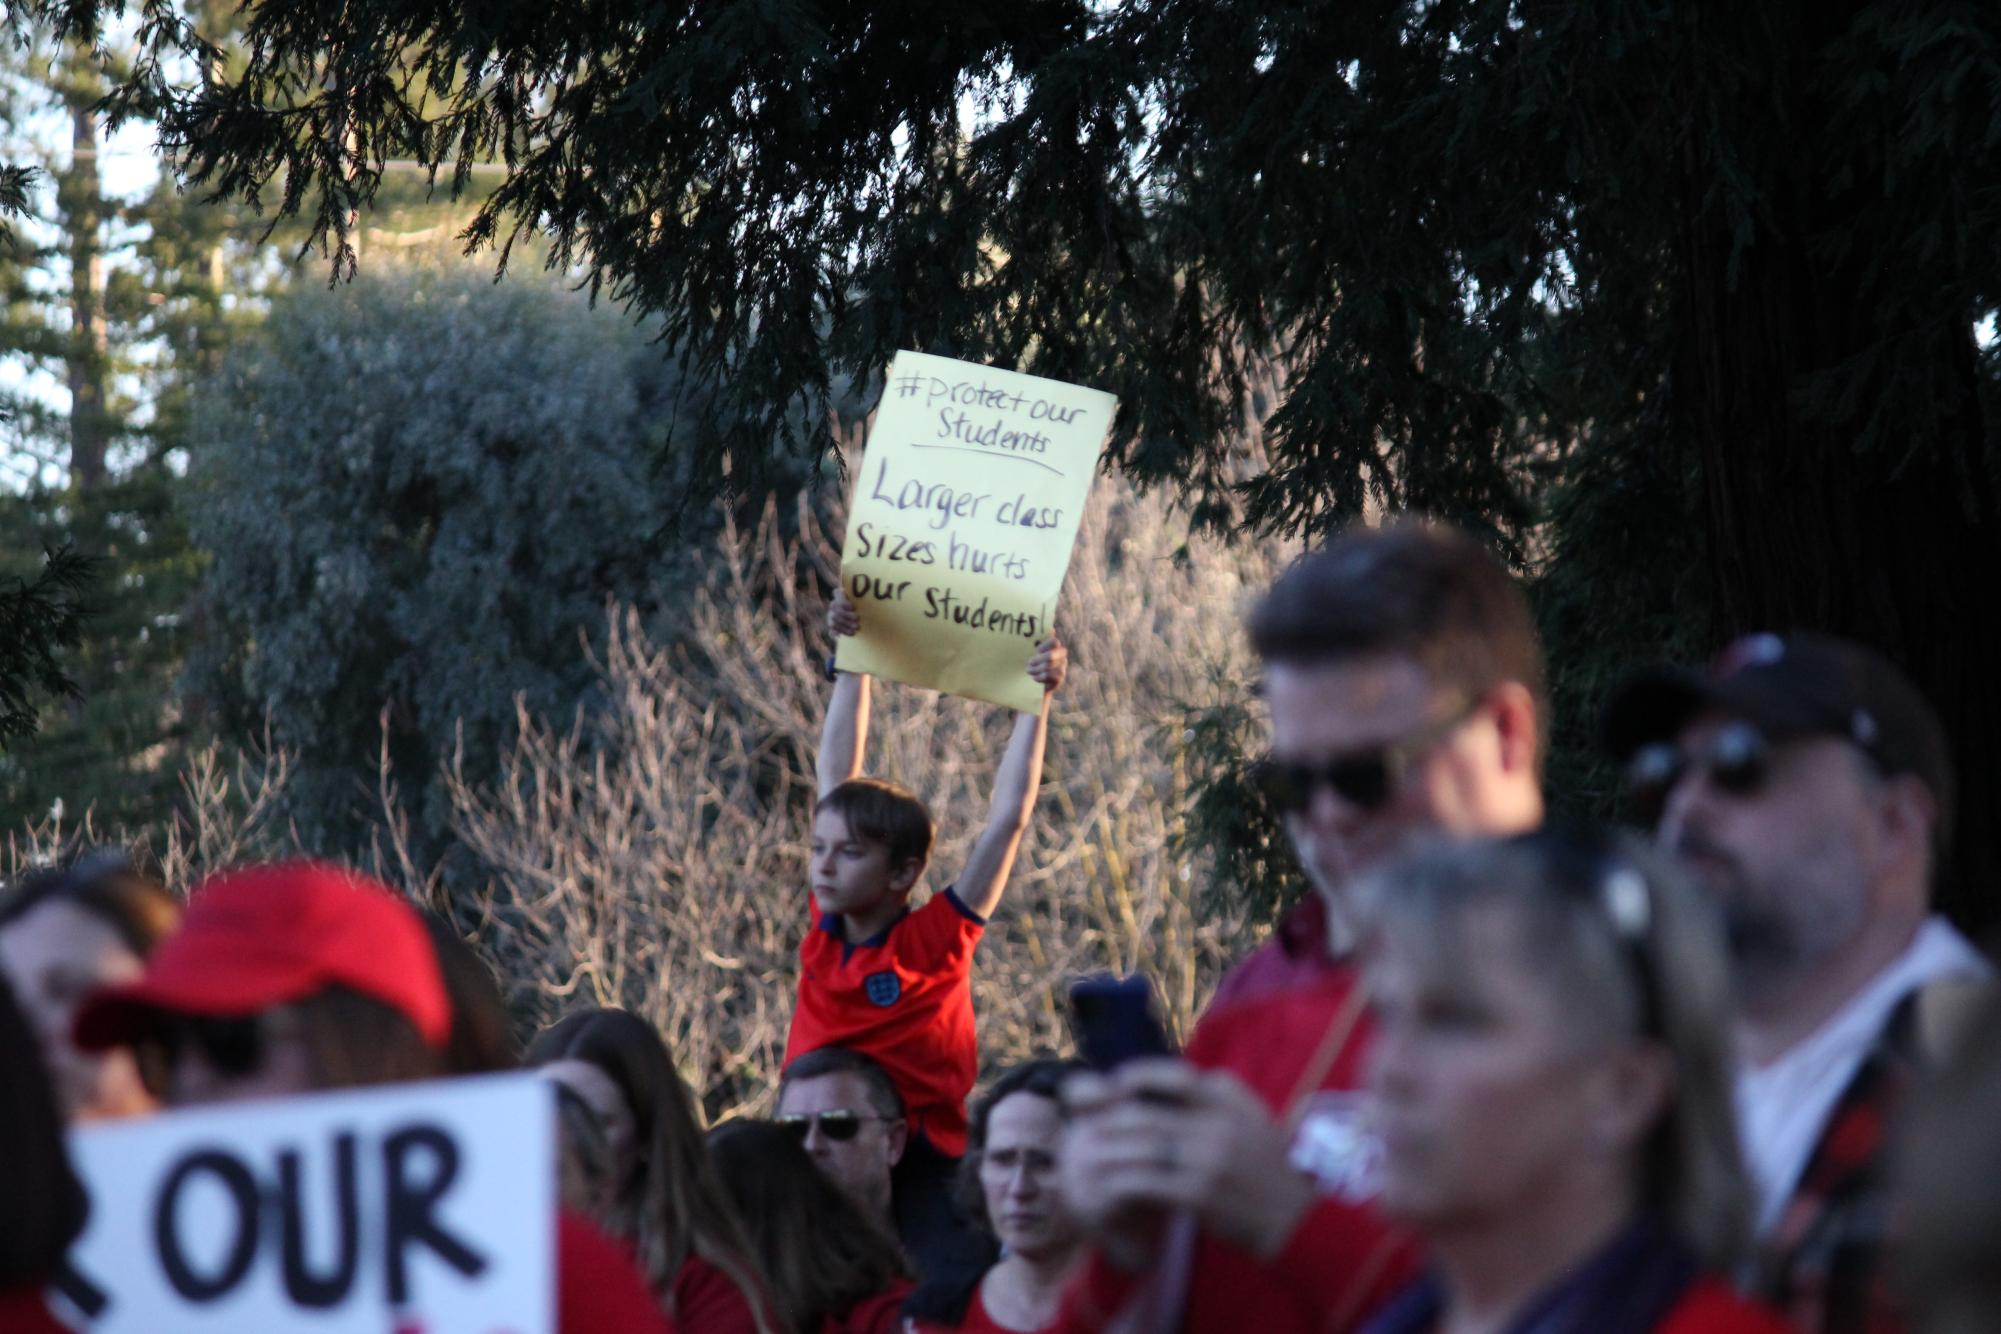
1515	718
899	1140
1907	821
905	875
1634	1092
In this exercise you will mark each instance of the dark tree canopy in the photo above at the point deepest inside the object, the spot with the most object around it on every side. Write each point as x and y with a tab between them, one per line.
1676	301
41	601
40	613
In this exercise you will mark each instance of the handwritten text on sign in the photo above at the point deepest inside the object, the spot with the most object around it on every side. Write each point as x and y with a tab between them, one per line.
417	1207
965	512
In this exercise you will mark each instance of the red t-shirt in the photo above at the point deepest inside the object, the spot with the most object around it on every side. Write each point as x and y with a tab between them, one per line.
976	1320
1301	1048
599	1290
26	1311
1295	954
880	1314
708	1301
1712	1308
904	1000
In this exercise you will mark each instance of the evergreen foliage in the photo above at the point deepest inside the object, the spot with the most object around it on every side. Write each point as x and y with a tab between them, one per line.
114	743
41	608
106	300
1675	301
125	302
39	614
420	490
16	180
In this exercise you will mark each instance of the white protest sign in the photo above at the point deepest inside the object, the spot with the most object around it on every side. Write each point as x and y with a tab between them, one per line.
965	511
410	1209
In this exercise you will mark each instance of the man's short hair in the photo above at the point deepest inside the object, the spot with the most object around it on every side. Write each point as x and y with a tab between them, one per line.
1413	588
883	813
882	1094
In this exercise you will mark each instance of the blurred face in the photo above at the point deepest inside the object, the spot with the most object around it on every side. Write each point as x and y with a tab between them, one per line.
53	957
859	1163
282	1067
1322	712
1018	1178
1791	860
851	875
601	1093
1485	1098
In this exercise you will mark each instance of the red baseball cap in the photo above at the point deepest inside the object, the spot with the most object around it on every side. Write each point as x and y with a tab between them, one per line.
268	935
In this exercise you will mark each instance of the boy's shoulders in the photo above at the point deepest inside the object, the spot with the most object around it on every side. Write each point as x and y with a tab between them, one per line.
935	927
947	902
938	922
943	913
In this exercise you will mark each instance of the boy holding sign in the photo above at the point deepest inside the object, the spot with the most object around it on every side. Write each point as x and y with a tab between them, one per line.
875	976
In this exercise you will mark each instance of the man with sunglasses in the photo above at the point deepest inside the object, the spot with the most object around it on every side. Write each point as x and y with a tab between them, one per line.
1404	684
846	1112
1235	1190
1808	786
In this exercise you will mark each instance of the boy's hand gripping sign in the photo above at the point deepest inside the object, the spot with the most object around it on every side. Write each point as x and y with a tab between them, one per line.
971	488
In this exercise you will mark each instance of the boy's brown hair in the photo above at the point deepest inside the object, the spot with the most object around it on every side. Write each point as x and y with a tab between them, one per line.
883	813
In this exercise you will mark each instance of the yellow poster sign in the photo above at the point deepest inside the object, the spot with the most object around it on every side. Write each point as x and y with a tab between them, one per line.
966	506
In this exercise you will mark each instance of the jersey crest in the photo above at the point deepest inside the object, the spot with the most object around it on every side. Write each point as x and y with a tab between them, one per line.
883	989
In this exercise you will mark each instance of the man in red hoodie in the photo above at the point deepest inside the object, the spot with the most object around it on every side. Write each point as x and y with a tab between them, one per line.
1234	1190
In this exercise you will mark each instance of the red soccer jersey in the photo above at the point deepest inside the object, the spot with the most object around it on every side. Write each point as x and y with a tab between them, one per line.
903	999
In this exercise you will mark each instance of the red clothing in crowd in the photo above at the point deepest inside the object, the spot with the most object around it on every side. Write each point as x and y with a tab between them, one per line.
1712	1308
708	1301
880	1314
1707	1306
26	1311
1299	1043
599	1290
903	999
976	1320
1295	954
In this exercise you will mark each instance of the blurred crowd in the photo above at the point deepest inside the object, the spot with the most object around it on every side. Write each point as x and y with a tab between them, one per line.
1725	1071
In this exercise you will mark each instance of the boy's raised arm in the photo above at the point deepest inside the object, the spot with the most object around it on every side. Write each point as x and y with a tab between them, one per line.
844	734
981	884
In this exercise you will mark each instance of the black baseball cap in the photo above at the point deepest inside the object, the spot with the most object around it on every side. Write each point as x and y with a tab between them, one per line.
1793	686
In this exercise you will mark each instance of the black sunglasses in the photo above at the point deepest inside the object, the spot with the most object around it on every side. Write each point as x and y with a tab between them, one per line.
1366	779
231	1044
1737	759
840	1125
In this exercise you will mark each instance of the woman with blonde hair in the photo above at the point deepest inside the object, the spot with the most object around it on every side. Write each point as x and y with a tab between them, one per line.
1551	1080
663	1198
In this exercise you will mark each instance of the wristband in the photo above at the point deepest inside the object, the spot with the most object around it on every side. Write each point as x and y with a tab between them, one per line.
833	672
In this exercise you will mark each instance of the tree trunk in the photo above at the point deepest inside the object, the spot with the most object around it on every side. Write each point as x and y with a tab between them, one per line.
82	200
1816	520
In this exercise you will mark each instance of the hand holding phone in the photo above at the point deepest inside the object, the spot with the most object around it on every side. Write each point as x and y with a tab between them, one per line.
1113	1020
